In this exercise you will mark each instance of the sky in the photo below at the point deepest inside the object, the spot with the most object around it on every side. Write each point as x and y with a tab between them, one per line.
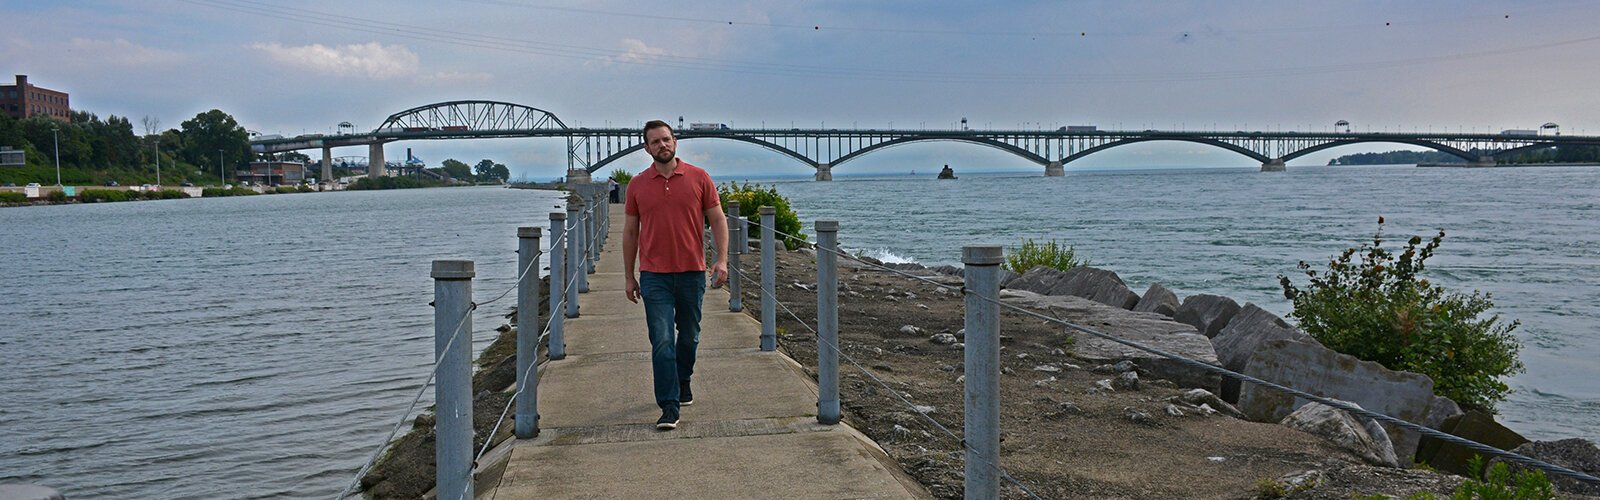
293	66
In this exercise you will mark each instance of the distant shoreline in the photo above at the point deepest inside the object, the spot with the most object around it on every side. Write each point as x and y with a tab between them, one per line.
1505	165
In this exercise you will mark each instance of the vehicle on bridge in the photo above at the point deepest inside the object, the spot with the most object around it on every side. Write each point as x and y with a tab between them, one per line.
1519	131
708	126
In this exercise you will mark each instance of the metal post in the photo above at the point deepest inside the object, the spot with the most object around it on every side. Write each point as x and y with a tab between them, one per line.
982	399
736	247
827	323
452	352
558	283
769	280
528	331
574	271
596	234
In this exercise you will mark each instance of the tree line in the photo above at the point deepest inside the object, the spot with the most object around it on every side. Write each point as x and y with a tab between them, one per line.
1553	154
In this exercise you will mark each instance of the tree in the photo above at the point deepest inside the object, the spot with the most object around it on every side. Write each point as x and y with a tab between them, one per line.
210	132
484	169
501	172
457	169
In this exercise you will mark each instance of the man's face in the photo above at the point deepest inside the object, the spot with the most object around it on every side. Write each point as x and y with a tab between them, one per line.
661	145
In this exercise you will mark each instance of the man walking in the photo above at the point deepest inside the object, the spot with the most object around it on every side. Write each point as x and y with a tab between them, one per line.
668	206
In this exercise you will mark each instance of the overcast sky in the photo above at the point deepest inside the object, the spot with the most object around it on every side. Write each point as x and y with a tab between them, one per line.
292	66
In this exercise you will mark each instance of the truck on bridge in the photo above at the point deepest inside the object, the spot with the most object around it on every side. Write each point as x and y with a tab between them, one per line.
1519	131
708	126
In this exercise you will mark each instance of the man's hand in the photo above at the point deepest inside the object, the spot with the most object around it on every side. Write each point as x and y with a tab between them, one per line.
719	273
632	289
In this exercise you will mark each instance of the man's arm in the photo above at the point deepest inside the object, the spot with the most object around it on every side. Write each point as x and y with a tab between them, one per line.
719	234
630	253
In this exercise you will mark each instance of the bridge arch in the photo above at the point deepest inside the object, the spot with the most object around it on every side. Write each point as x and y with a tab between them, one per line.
1021	152
1466	155
750	140
1522	149
1198	140
472	115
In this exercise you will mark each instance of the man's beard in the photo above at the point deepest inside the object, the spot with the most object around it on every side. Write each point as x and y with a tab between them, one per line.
664	157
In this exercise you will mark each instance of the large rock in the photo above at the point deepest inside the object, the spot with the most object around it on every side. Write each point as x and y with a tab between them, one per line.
1090	283
1243	337
1321	371
1207	313
1361	436
1158	299
1474	425
1575	453
1147	329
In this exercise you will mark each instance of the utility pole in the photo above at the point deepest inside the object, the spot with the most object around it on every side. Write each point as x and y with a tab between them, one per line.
57	142
221	179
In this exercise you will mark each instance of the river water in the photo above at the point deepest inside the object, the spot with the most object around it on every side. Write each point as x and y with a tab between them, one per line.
1529	236
264	346
253	347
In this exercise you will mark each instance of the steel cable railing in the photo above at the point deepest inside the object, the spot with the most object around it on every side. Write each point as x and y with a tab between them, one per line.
942	428
1424	430
432	373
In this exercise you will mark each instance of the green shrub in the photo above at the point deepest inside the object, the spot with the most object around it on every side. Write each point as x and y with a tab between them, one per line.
369	183
12	197
752	197
307	189
1499	484
165	194
286	189
57	196
621	176
1052	254
99	195
233	191
1377	309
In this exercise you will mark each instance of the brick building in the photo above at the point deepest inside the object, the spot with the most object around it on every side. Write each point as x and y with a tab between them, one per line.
24	100
274	173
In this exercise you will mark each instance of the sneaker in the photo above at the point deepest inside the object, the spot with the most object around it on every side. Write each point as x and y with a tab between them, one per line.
668	420
685	396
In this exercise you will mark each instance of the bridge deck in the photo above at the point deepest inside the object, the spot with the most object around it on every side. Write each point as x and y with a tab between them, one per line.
751	432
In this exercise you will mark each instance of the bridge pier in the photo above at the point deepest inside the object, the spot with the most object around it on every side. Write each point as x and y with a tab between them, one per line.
577	176
824	172
1483	161
1055	169
375	163
327	165
1276	165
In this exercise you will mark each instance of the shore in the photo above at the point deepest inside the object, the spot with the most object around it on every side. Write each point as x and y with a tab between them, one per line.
1061	437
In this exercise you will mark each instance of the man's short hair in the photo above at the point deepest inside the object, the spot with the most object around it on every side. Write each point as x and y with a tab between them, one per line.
654	124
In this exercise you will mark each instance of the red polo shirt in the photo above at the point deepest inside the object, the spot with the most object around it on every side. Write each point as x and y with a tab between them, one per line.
672	217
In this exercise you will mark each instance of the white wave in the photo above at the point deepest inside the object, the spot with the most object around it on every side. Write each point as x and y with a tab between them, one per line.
885	256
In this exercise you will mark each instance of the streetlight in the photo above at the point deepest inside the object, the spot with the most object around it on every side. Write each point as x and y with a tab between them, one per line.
57	142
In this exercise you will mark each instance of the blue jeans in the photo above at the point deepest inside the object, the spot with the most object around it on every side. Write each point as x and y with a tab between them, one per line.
672	312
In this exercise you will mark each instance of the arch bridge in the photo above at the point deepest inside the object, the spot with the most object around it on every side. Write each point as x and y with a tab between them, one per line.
590	149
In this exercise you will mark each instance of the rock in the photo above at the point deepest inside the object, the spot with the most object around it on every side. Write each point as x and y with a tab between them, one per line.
1300	481
1206	410
1090	283
1474	425
1022	355
961	334
1207	313
1146	329
1173	410
1242	338
1202	397
1127	381
1007	276
1006	370
1575	453
901	432
1323	372
1043	382
1104	369
1068	408
1103	385
1158	299
910	330
800	286
1360	436
1138	417
923	409
1047	368
942	339
1124	366
947	368
922	306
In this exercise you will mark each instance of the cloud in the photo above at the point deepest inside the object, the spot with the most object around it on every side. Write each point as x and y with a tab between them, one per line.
90	53
457	77
634	51
369	60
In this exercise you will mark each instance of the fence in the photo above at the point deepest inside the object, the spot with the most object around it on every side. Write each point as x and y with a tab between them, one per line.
577	236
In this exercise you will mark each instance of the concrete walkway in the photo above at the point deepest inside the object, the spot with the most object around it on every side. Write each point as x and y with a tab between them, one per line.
751	432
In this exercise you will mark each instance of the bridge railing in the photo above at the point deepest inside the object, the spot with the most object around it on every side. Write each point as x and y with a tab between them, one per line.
980	440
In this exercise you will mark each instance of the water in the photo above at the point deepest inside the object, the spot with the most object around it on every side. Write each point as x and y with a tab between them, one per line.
1529	236
264	346
256	347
